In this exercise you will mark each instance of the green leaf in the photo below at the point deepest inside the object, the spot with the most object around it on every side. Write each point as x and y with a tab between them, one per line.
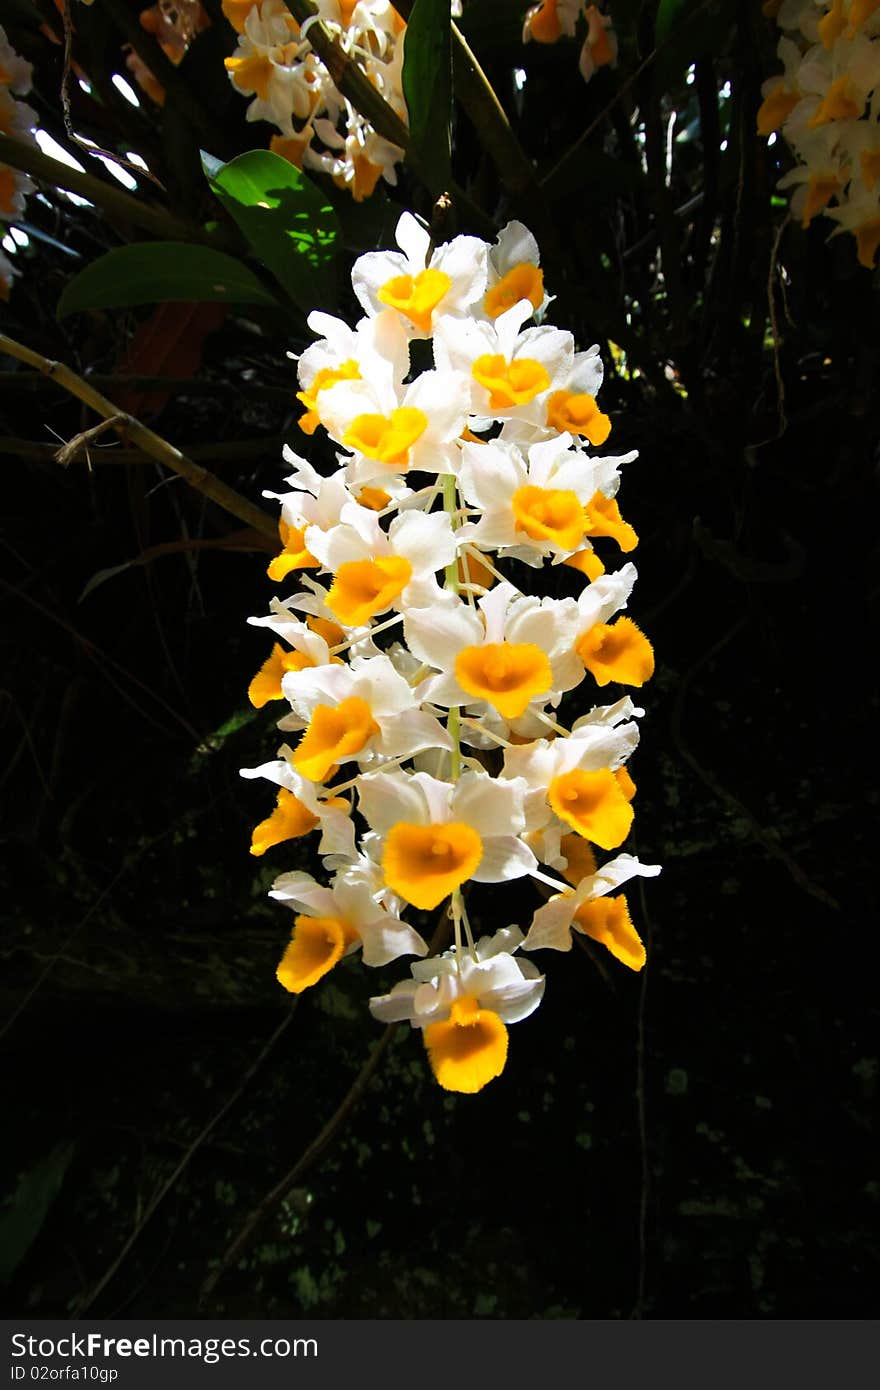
427	87
159	272
286	219
22	1219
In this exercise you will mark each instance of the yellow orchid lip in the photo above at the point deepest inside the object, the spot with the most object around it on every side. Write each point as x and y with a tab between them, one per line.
416	296
586	562
543	22
332	734
288	821
573	412
580	861
593	804
363	588
524	281
387	438
776	108
607	921
841	102
510	383
604	519
266	684
617	651
469	1049
821	188
508	675
375	499
294	556
253	72
425	863
549	514
867	241
315	947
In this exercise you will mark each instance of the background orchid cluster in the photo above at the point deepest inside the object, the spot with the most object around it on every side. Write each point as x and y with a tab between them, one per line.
551	20
16	119
293	89
826	102
462	770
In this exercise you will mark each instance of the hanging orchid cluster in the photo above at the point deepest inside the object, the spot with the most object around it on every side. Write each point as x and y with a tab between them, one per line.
826	103
551	20
174	24
461	769
18	120
292	88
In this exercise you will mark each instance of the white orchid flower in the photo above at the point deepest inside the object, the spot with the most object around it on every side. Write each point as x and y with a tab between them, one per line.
462	1007
437	835
334	922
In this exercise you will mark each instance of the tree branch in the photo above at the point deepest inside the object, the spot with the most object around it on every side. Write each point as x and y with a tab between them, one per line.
146	439
21	154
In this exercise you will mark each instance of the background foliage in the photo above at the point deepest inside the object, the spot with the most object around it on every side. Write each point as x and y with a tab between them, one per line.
692	1143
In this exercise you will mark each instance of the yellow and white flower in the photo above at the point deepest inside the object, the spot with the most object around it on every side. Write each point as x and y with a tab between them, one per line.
463	1005
374	570
510	652
436	835
532	504
498	660
590	910
548	21
338	355
514	273
422	291
334	922
309	644
577	783
300	809
826	104
510	373
392	429
365	712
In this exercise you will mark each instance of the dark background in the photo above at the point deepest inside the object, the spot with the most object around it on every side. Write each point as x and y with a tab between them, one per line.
698	1141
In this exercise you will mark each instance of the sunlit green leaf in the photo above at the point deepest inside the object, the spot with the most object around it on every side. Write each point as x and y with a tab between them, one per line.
159	272
286	219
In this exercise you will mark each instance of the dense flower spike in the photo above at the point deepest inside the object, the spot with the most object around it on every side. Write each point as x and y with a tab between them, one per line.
422	686
826	103
276	65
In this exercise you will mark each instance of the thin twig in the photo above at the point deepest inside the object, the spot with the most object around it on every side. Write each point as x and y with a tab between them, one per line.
88	145
313	1151
774	327
79	444
323	1138
152	443
194	1147
224	450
